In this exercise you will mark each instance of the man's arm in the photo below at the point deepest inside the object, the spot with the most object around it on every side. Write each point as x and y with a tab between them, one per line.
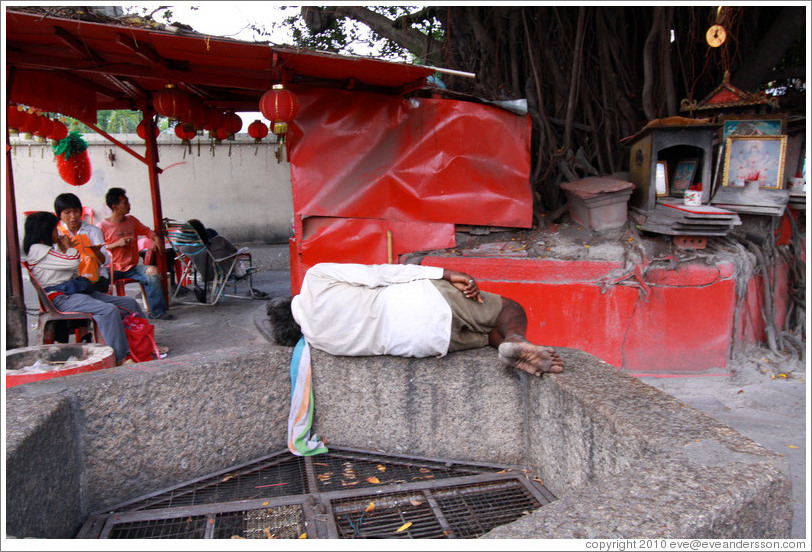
463	282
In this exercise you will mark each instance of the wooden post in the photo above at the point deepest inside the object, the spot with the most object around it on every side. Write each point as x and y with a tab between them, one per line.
155	190
16	330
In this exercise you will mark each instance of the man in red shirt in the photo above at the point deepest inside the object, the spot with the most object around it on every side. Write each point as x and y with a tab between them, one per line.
121	231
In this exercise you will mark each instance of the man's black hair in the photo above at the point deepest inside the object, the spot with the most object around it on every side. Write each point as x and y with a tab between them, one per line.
114	195
39	228
284	328
66	201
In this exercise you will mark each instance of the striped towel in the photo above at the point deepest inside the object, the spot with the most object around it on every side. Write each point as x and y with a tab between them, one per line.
300	419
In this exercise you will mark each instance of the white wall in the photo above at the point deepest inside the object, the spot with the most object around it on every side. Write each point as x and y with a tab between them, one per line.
235	187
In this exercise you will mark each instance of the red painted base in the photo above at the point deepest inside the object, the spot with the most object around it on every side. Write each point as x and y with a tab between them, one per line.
666	321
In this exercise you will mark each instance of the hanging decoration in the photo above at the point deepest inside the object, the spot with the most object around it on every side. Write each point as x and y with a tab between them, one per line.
215	121
280	106
44	128
72	160
171	102
29	124
257	130
13	117
185	132
232	123
197	114
141	130
58	131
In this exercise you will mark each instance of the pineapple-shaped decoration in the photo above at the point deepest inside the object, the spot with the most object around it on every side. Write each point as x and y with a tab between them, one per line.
72	160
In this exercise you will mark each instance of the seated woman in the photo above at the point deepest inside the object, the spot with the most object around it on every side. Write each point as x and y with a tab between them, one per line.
53	266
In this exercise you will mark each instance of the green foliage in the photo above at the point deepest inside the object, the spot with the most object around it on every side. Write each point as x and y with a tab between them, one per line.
349	37
70	145
120	121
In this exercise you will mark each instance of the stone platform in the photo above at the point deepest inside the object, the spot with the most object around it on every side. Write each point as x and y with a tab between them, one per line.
624	459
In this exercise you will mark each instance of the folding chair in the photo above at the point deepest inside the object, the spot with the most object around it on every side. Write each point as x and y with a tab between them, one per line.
215	260
49	313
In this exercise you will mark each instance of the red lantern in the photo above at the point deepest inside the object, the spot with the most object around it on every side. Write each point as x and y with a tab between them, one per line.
222	133
257	130
232	123
280	106
29	122
14	116
197	114
184	132
46	125
59	131
140	130
216	120
171	102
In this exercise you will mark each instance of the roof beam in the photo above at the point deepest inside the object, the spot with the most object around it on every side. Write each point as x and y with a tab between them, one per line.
142	50
76	45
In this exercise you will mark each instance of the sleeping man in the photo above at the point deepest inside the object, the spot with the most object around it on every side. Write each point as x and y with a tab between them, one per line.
405	310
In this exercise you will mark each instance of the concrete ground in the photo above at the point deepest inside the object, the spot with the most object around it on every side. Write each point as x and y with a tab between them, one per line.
764	397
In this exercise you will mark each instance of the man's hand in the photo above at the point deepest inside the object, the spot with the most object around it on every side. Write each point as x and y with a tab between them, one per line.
463	282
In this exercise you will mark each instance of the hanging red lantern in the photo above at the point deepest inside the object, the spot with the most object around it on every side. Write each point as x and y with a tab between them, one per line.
216	120
171	102
222	134
58	131
232	123
29	122
13	117
197	114
257	130
185	132
141	131
280	106
46	125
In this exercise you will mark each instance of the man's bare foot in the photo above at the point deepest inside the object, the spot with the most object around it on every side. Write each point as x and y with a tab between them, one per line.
533	359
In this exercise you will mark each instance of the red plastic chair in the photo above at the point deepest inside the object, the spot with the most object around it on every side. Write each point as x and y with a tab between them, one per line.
118	287
49	313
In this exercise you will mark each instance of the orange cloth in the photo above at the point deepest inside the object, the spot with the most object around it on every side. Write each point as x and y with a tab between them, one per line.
124	258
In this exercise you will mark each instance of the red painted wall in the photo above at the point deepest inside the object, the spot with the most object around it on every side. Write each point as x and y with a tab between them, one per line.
678	321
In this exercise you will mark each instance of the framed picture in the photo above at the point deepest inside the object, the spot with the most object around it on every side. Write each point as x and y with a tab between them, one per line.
661	178
752	127
755	158
684	175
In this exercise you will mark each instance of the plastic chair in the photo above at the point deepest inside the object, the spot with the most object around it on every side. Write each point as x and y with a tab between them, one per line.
216	260
49	313
87	214
118	287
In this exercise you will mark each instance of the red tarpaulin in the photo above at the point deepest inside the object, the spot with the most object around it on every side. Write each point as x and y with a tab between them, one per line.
382	161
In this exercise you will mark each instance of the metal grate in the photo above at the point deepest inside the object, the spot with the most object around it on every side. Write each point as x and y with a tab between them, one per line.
345	493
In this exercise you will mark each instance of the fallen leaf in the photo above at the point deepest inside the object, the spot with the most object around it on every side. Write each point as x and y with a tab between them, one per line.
346	484
237	537
265	503
792	446
404	527
373	480
370	507
782	376
502	471
539	480
740	391
211	521
188	520
415	502
319	464
381	467
425	470
303	536
267	531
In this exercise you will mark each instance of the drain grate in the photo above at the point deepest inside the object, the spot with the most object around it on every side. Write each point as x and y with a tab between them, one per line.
345	493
